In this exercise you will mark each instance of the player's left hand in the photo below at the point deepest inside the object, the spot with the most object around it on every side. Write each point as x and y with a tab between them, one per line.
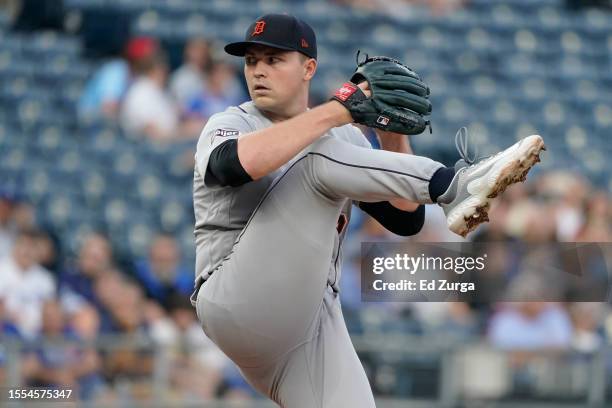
397	101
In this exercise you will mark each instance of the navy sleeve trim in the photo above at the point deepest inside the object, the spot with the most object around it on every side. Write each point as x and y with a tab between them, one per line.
224	167
397	221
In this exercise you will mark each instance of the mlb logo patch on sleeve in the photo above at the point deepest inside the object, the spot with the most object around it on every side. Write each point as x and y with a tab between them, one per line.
226	132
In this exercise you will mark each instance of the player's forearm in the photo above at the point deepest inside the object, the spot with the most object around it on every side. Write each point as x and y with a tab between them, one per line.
395	142
266	150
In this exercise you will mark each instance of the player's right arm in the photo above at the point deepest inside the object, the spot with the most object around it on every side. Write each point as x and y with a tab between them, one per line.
257	153
266	150
232	153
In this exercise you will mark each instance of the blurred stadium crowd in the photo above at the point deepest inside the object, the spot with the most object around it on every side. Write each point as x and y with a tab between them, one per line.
135	90
97	132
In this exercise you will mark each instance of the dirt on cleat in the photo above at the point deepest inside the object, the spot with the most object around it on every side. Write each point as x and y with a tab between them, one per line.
480	215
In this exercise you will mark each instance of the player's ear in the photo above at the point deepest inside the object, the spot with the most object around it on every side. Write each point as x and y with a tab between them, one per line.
310	67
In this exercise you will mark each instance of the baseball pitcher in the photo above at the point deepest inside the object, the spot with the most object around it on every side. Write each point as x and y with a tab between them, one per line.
274	183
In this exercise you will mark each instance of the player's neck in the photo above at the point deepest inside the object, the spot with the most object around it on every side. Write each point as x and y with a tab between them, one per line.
281	115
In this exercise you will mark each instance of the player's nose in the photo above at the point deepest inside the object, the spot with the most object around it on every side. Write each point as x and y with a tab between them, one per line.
259	70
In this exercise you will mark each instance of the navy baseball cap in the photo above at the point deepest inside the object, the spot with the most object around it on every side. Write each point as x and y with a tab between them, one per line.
279	31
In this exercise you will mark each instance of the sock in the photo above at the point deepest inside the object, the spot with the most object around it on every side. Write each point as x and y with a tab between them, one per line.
440	182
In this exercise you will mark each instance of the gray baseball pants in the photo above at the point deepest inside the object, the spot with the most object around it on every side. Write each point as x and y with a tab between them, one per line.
269	307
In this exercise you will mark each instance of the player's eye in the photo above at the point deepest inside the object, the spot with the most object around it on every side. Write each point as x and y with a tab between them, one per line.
273	60
249	60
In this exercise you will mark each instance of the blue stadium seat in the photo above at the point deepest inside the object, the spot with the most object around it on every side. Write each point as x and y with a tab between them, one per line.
93	185
139	237
549	18
37	183
149	190
603	115
6	57
125	163
527	41
14	159
62	209
70	164
432	38
172	216
179	168
576	139
116	212
455	109
13	42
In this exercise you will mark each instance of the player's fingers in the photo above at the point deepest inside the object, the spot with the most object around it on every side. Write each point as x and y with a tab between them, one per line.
365	87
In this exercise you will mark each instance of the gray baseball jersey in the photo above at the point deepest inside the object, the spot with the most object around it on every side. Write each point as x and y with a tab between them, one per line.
268	259
222	212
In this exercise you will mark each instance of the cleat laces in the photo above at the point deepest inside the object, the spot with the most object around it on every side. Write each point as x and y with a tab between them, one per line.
462	145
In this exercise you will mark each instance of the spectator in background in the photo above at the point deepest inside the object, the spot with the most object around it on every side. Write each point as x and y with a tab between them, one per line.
127	308
148	108
125	304
15	215
530	326
7	326
587	318
8	331
197	364
24	285
161	274
449	320
52	361
221	89
85	324
77	281
531	222
7	227
47	255
59	359
597	225
188	79
108	286
24	216
564	194
528	331
105	90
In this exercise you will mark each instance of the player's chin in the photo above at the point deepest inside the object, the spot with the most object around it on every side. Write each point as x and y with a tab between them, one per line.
263	101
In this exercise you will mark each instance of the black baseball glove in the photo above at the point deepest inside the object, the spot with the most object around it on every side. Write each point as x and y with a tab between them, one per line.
399	101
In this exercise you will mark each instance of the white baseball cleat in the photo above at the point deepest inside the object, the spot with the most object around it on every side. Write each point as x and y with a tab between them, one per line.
466	202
